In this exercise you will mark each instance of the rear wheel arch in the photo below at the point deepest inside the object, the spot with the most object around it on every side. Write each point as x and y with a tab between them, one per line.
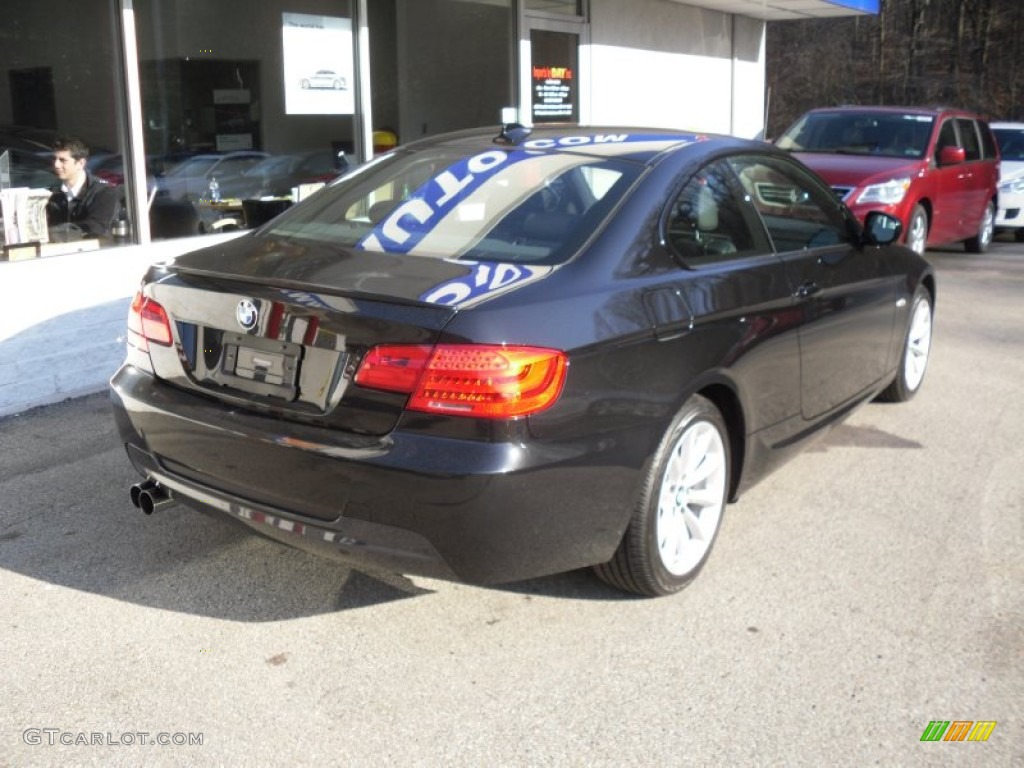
928	281
728	404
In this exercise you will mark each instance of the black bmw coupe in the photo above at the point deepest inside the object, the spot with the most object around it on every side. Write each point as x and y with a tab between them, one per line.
497	354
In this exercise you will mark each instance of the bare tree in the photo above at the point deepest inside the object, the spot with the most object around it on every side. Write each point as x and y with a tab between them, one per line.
915	52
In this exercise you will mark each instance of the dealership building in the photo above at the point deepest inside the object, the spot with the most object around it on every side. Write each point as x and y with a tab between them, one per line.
153	84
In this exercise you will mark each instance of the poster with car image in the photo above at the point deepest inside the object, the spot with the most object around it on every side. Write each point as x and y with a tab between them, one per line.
318	65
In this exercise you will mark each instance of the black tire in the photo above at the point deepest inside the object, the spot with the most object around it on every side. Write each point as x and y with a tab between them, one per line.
668	513
981	241
916	351
1018	235
917	230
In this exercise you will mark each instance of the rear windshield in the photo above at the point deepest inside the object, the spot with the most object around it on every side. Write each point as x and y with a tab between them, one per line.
499	205
860	133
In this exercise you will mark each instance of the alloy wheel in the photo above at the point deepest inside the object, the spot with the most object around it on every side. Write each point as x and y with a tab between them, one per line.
691	498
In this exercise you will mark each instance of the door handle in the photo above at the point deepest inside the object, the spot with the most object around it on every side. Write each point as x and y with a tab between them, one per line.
808	289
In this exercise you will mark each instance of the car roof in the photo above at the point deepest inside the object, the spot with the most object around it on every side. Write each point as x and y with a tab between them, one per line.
894	109
637	143
1006	124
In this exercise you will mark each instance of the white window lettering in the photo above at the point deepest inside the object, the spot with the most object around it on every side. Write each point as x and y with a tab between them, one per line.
418	209
604	139
450	185
485	161
452	293
505	274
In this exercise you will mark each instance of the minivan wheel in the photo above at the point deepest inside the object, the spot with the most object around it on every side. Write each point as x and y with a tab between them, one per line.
980	242
680	508
917	230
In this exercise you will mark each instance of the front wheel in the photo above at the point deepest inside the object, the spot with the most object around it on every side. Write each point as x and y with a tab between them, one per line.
980	242
680	508
917	230
916	349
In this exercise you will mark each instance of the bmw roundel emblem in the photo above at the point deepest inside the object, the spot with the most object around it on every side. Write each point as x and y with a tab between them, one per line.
246	314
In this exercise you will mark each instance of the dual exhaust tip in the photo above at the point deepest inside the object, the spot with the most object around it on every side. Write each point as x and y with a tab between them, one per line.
150	496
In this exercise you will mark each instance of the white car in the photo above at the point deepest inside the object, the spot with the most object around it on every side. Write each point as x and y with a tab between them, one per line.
1010	137
325	78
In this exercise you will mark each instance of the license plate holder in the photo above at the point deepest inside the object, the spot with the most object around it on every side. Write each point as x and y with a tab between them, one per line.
260	366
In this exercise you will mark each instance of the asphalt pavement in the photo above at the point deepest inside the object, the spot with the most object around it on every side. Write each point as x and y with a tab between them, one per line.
866	589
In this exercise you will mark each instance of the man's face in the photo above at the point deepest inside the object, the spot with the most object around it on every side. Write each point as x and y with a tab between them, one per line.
66	167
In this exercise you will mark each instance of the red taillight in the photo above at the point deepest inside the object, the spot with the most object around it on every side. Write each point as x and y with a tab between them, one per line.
147	321
487	381
393	368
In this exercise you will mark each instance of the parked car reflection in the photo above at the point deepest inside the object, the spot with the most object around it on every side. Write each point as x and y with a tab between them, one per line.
278	174
190	180
32	169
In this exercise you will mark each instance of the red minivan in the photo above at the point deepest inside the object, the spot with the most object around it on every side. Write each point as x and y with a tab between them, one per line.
936	170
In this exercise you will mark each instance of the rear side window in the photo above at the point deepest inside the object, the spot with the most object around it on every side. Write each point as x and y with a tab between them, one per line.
707	222
969	139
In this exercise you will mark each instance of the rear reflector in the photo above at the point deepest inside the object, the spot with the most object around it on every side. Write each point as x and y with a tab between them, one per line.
147	321
486	381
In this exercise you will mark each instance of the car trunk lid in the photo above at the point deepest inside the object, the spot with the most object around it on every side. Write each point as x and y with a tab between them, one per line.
282	327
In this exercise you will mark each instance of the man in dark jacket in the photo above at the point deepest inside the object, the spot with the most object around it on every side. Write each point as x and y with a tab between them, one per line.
82	205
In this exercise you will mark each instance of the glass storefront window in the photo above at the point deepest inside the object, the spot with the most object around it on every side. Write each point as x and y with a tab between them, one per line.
244	104
58	77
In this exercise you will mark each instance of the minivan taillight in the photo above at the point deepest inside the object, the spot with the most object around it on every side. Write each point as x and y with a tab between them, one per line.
147	321
483	380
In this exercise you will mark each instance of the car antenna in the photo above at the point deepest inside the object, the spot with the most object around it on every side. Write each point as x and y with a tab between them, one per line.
512	133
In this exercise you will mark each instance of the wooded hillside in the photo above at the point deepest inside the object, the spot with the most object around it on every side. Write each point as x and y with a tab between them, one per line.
963	53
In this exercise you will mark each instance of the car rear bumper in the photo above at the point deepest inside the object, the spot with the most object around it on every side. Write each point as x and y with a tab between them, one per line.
481	512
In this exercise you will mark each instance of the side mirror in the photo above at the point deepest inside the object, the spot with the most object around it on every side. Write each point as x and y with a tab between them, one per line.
952	155
881	228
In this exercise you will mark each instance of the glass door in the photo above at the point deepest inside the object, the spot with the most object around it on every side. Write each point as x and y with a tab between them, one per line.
552	68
